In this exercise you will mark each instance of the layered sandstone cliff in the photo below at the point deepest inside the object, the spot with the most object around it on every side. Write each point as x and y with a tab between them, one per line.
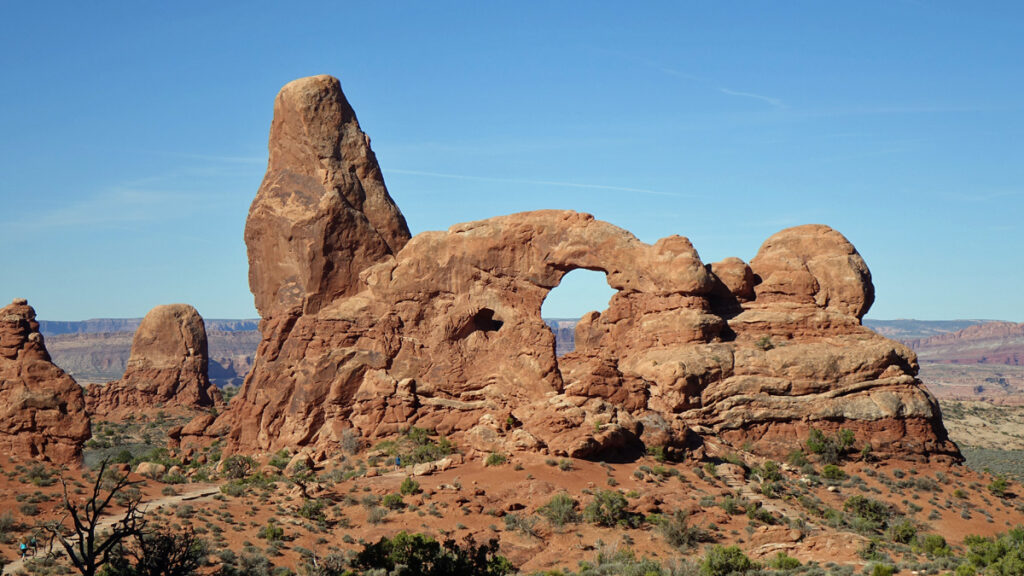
366	330
42	411
167	366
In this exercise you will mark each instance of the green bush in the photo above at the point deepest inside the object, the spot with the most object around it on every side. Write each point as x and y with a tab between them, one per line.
393	501
902	532
679	534
495	459
874	515
409	486
833	472
560	510
237	467
608	508
830	449
882	570
313	509
783	561
725	561
271	532
933	545
1002	555
424	556
999	486
280	459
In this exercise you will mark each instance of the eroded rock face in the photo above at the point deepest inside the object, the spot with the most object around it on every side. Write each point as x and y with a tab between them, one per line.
167	366
445	333
42	410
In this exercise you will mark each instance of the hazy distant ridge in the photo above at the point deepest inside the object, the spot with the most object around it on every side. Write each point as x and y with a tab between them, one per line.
100	325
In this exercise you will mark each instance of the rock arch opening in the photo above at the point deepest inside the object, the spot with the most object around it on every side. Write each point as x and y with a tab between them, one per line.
579	292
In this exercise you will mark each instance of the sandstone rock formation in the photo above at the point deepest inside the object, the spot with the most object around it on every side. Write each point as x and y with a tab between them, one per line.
167	367
42	411
365	331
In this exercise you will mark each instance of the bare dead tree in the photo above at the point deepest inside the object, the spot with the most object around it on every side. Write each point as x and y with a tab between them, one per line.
90	545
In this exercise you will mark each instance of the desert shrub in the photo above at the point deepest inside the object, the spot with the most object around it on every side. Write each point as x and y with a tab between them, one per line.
902	532
783	561
833	472
495	459
375	514
999	486
38	474
522	523
271	532
424	556
771	471
933	545
731	506
237	467
757	512
764	343
608	508
873	514
409	486
829	448
619	562
560	510
565	465
725	561
280	459
313	509
1002	555
883	570
797	458
657	452
393	501
350	441
679	534
417	445
29	509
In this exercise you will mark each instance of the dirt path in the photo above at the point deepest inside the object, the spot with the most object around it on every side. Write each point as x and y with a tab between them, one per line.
197	492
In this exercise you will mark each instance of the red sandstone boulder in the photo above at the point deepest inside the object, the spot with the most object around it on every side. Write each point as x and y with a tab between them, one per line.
42	410
167	367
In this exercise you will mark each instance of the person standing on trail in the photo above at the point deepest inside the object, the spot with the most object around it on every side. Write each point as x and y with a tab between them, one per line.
35	546
24	548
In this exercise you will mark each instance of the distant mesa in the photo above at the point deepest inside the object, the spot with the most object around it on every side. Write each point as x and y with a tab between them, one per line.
367	330
167	368
42	409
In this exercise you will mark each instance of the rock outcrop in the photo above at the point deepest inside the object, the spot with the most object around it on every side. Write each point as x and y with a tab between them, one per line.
167	366
42	410
363	330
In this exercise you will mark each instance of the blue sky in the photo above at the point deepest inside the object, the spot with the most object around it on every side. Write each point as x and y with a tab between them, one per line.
133	135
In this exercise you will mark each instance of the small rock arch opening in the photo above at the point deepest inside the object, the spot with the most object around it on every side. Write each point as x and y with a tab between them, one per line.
579	292
483	321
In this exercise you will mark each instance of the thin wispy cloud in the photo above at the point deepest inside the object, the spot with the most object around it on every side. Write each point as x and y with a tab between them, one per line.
113	207
538	182
773	101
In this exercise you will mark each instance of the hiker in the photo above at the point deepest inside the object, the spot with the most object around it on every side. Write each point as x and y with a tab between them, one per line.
398	462
24	548
35	546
